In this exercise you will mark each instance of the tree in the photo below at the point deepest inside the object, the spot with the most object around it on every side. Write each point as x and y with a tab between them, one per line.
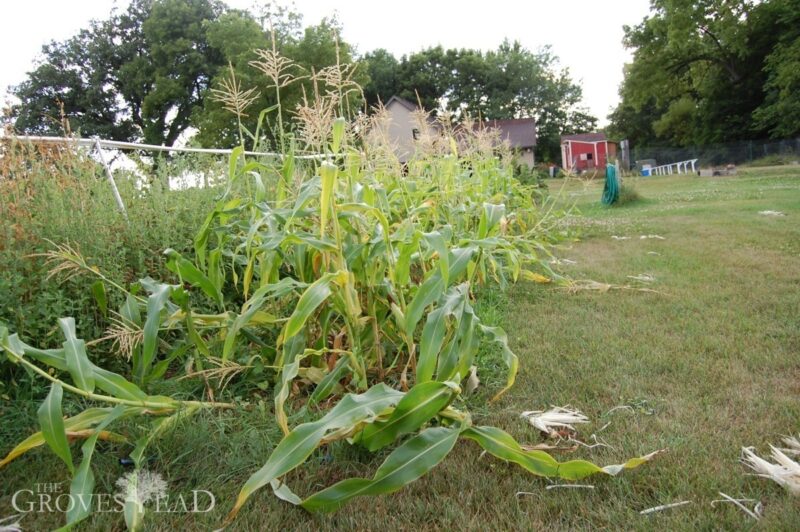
138	75
311	50
510	82
382	68
708	71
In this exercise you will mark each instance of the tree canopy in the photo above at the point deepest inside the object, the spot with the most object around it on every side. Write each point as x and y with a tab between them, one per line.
709	71
509	82
157	69
139	74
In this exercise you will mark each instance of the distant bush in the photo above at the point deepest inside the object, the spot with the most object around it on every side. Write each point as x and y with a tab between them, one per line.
531	176
627	194
774	160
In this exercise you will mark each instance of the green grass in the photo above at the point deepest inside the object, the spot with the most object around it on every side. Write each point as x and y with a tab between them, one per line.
711	364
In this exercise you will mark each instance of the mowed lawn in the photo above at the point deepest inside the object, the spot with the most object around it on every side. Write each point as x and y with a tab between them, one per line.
707	365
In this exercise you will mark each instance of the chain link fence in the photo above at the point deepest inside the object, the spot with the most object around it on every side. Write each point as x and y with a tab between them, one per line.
746	151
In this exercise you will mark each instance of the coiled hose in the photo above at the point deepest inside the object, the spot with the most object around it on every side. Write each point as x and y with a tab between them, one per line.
611	190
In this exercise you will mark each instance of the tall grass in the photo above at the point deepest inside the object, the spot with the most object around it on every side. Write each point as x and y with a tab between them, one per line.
54	194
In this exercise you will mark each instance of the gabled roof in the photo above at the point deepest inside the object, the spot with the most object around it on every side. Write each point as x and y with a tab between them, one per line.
402	101
519	132
584	137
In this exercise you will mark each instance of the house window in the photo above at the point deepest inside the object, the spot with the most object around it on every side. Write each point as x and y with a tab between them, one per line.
589	156
415	133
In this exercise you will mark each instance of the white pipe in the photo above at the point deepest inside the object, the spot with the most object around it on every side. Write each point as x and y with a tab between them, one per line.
110	176
118	145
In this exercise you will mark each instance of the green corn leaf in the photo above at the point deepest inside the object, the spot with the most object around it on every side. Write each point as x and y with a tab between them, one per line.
189	273
112	383
130	310
99	294
117	386
338	133
433	288
86	419
82	486
215	274
250	309
490	217
436	242
260	190
51	422
327	173
501	445
403	265
155	304
433	334
499	336
328	385
420	404
233	162
78	364
289	372
312	298
297	446
404	465
457	357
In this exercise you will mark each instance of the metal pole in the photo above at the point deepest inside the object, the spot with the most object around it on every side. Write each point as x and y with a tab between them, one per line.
110	176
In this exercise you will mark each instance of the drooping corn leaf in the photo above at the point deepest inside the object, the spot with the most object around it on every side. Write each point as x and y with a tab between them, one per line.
501	445
82	486
433	288
78	364
312	298
298	445
51	422
155	304
499	336
490	217
99	294
420	404
189	273
404	465
86	419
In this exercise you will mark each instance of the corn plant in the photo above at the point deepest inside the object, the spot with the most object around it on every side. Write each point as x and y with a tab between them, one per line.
353	283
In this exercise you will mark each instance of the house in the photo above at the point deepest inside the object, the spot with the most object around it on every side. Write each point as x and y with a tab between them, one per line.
586	151
403	130
520	133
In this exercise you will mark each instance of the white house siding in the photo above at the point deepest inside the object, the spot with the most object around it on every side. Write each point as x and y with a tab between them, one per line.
401	130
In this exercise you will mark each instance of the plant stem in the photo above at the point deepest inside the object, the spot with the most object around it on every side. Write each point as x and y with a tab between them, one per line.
116	400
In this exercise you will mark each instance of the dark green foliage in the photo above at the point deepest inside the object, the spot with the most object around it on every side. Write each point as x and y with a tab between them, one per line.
138	75
711	71
509	82
65	199
627	194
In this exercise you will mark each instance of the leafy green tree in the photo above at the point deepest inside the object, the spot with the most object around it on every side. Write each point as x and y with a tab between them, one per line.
510	82
382	68
236	35
138	75
312	49
707	71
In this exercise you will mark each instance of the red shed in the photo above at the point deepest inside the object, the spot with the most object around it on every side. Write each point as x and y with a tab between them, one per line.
586	151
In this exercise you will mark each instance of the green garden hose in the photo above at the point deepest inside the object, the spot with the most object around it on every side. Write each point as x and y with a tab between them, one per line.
611	190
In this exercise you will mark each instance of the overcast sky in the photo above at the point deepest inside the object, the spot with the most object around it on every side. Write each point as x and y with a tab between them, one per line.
585	34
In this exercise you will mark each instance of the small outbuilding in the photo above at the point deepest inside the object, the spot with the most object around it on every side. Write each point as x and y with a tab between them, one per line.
586	151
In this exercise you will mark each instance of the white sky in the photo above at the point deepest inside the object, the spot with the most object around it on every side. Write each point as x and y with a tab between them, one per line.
585	34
